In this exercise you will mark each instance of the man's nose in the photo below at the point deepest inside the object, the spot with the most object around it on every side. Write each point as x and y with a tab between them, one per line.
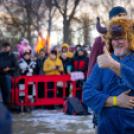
116	43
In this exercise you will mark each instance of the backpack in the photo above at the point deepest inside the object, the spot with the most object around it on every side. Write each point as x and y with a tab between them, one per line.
73	106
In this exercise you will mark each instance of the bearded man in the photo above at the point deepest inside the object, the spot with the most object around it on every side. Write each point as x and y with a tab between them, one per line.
108	86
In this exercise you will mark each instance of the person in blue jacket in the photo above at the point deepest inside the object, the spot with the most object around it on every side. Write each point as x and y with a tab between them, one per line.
109	89
99	43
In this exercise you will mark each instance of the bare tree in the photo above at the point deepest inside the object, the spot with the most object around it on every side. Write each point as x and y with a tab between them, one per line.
30	14
67	17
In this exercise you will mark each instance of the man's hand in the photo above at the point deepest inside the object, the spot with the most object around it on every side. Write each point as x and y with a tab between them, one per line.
6	69
105	60
125	101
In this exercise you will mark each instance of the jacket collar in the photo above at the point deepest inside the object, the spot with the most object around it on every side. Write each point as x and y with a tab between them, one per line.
125	59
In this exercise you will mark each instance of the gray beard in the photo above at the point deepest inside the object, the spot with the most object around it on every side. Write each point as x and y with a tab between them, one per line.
122	54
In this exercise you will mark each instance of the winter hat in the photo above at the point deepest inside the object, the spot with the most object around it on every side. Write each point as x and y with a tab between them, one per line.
54	52
27	53
120	28
81	49
77	46
24	41
53	48
6	44
116	10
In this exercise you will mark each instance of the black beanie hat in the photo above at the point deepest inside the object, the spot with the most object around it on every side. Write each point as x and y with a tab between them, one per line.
77	46
81	49
115	11
5	44
27	53
54	52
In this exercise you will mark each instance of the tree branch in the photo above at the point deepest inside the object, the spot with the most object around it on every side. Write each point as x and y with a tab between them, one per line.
73	11
59	8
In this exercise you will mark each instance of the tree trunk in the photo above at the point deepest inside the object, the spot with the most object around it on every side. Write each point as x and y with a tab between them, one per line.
65	31
29	24
50	18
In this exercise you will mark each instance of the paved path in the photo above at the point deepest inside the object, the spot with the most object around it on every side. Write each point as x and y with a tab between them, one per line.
51	122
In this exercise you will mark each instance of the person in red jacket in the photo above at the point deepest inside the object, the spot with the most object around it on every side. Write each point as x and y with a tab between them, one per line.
80	63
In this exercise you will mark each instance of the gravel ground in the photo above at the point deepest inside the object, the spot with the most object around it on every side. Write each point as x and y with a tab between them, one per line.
51	122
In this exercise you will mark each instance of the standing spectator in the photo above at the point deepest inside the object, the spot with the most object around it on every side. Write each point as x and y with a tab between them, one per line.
39	70
26	64
27	67
85	49
80	63
67	65
77	48
8	64
23	47
66	62
65	48
39	62
52	66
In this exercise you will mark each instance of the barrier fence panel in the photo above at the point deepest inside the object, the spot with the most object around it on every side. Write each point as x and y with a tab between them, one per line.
51	94
76	92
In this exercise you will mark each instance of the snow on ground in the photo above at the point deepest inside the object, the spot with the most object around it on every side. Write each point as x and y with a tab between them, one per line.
51	122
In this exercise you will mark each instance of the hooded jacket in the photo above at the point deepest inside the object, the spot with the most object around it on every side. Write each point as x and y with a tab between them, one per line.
49	63
80	63
69	54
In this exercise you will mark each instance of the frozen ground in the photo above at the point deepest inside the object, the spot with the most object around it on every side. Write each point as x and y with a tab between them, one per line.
51	122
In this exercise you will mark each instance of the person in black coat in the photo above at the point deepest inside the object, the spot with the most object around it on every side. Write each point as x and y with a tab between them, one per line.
39	70
40	62
66	61
8	64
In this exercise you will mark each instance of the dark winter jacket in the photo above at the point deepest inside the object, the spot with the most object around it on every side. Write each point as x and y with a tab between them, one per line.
7	59
39	66
66	63
80	63
5	120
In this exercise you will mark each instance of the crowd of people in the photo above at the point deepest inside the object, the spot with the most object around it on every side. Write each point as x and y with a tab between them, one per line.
56	63
109	90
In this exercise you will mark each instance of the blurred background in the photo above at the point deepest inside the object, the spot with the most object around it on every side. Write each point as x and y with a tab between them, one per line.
70	21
